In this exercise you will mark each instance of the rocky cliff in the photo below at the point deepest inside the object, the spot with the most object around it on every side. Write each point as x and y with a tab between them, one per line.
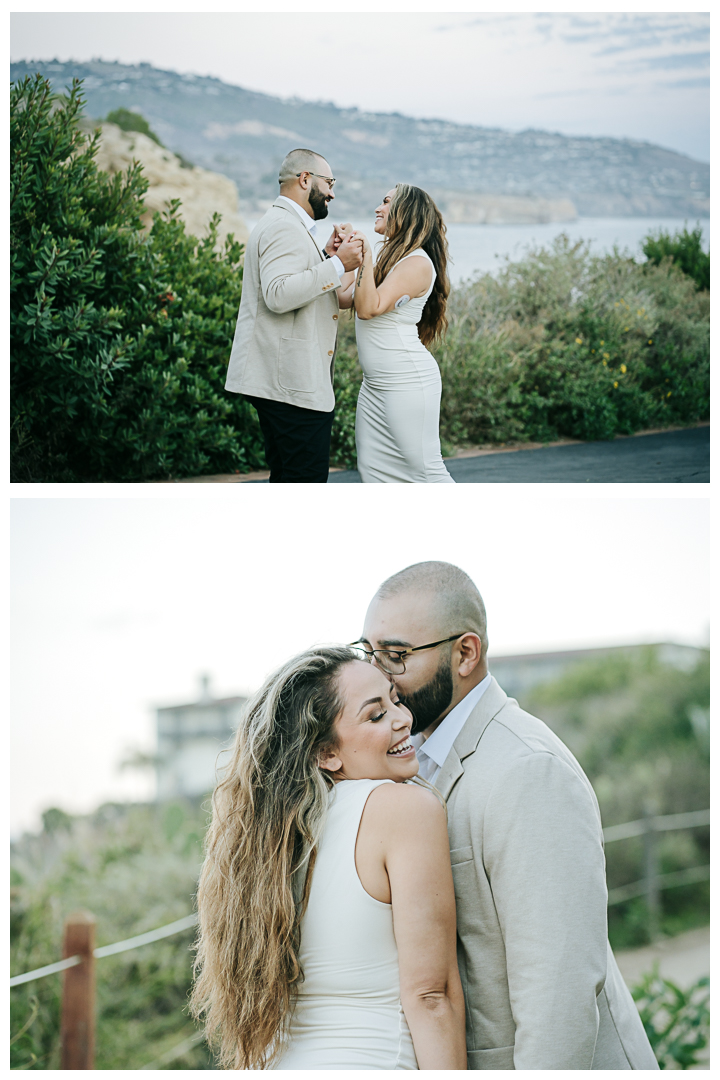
201	192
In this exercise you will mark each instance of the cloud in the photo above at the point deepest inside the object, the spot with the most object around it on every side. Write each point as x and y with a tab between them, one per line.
675	60
687	84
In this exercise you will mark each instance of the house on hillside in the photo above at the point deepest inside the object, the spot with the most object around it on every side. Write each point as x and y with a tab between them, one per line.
190	741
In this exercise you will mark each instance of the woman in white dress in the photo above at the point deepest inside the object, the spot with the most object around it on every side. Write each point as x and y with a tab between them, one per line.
400	304
326	907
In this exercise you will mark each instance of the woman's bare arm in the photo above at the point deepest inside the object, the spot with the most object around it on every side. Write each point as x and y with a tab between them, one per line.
410	279
345	292
405	827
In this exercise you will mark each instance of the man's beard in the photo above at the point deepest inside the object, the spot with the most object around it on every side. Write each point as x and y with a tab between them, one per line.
431	700
318	202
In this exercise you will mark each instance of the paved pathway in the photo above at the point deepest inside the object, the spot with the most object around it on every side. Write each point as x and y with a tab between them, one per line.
669	457
683	959
665	457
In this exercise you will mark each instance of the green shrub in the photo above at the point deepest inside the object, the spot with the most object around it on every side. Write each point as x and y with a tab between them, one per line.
119	341
686	251
132	121
135	868
565	344
677	1021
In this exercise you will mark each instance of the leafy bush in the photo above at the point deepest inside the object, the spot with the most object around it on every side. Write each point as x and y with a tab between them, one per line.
677	1021
686	251
132	121
119	341
565	344
135	868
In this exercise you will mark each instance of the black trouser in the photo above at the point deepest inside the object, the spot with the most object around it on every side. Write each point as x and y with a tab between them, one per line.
297	441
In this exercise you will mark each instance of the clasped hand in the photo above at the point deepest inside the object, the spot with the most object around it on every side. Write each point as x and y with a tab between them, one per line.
348	245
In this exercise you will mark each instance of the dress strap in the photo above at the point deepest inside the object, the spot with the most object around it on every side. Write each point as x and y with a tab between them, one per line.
417	251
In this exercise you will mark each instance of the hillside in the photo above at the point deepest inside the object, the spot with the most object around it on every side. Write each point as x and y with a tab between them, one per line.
200	191
244	135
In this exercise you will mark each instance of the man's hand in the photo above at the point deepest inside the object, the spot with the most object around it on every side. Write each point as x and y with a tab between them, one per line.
350	252
338	235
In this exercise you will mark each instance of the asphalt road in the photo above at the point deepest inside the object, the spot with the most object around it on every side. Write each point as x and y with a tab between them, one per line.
670	457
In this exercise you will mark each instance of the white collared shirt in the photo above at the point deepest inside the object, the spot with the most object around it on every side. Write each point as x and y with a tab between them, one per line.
432	752
311	226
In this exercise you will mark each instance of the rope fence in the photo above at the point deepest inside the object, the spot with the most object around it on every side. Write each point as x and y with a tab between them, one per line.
109	950
77	1035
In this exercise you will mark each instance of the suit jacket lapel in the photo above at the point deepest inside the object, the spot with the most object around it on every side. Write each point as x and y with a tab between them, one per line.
467	741
301	225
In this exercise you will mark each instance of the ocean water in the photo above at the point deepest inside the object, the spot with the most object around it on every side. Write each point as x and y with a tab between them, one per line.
481	248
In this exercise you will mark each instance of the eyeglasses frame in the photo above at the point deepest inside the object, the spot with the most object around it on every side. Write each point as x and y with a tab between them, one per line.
330	180
402	653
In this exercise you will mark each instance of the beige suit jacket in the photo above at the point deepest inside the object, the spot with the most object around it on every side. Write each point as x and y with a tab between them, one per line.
542	988
284	345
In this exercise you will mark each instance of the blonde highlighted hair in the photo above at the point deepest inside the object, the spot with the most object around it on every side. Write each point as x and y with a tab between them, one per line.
268	814
414	221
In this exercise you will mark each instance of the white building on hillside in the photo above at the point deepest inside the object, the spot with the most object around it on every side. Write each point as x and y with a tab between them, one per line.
190	738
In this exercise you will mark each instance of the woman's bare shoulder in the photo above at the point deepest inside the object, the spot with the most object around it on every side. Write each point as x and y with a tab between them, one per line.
404	804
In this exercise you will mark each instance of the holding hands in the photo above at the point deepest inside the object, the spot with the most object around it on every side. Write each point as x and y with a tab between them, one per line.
345	244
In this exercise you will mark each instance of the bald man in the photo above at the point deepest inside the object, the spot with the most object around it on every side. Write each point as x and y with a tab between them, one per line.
283	354
542	988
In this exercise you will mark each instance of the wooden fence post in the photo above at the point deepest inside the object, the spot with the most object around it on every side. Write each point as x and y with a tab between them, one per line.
77	1030
652	889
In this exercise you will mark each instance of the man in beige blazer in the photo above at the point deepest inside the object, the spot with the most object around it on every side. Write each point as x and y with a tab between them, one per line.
542	988
282	358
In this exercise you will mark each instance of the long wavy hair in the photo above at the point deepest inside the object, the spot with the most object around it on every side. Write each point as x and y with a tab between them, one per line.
414	221
268	813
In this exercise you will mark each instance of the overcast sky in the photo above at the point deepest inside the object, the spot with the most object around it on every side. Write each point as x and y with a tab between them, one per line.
642	75
120	604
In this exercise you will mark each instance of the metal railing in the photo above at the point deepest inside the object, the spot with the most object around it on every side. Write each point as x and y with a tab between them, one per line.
77	1014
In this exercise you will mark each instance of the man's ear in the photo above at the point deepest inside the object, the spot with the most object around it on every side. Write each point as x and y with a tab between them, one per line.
329	760
470	653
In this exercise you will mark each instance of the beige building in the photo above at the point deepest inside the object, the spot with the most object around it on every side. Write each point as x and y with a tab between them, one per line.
190	741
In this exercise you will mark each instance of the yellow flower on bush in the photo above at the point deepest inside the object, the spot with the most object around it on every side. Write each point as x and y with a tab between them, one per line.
604	363
578	341
602	342
615	385
650	341
606	355
668	393
623	369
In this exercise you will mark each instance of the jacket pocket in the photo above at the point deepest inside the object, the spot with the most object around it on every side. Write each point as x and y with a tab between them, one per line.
460	855
298	361
498	1057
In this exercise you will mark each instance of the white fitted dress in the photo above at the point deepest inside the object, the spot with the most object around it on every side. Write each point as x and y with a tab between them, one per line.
398	409
348	1014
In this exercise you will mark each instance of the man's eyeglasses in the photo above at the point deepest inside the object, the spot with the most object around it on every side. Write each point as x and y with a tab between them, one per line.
392	661
330	180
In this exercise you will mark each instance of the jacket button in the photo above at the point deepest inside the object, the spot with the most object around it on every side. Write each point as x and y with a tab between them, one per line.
334	316
330	352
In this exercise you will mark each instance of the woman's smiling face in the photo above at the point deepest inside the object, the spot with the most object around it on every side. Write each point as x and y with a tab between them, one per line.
382	211
372	731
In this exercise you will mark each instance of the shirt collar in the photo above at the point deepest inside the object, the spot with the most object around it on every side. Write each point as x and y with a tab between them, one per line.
307	221
437	746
